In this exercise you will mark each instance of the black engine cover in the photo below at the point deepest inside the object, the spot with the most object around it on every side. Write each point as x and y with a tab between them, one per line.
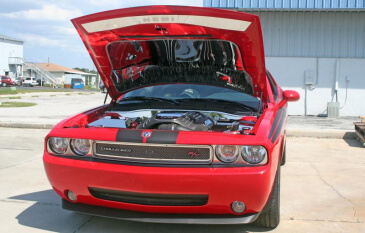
188	121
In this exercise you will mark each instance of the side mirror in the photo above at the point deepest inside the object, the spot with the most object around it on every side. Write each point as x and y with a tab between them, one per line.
291	96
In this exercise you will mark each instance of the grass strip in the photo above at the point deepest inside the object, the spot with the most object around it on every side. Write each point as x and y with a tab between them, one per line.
8	91
9	104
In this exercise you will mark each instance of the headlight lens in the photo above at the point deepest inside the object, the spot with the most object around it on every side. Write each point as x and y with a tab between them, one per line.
58	145
254	154
80	146
227	153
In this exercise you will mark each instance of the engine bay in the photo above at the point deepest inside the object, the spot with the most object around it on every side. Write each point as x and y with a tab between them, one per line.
176	120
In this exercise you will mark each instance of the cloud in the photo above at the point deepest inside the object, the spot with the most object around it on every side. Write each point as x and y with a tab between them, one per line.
98	5
47	12
62	30
45	25
118	3
42	41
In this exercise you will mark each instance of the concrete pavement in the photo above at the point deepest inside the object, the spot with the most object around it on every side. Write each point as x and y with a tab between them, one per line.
51	108
321	127
321	191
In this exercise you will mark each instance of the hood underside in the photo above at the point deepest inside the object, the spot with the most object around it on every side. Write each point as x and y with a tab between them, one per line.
153	45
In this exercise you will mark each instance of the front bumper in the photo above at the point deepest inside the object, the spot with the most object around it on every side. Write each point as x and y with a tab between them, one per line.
158	218
251	185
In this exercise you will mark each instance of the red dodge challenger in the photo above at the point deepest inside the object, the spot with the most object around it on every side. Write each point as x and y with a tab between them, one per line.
195	130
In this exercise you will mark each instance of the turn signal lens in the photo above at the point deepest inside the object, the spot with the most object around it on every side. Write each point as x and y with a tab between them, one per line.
80	146
71	195
238	207
227	153
254	154
58	145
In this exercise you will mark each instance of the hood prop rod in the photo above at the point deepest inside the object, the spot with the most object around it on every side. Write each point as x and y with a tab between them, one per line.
106	96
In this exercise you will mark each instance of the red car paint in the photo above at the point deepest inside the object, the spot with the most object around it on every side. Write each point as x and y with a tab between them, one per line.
249	42
6	81
223	183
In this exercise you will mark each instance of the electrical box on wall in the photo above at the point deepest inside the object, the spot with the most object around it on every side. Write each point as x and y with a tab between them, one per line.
309	77
333	109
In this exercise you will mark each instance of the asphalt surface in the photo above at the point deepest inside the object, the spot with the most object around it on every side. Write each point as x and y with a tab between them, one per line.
321	191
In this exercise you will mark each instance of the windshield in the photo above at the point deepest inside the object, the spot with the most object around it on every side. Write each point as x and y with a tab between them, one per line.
193	92
143	63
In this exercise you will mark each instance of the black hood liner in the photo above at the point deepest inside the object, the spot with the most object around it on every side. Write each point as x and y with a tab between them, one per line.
152	62
154	75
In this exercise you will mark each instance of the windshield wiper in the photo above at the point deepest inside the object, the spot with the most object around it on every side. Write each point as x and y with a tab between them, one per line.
145	98
226	102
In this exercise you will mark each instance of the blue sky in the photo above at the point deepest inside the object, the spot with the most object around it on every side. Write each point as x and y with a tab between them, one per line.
45	27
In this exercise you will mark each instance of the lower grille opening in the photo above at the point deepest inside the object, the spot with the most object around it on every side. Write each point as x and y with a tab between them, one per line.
149	198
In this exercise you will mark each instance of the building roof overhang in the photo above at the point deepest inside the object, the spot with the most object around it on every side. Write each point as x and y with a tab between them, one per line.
10	39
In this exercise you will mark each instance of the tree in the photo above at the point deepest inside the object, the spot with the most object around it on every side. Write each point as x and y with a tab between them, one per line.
86	70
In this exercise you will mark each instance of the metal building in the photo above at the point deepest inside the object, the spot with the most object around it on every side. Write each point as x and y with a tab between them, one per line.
12	62
316	47
286	4
10	47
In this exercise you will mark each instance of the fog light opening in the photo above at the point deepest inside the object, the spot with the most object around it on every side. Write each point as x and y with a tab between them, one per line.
71	195
238	207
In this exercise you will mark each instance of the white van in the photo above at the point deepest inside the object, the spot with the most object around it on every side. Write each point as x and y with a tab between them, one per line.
30	82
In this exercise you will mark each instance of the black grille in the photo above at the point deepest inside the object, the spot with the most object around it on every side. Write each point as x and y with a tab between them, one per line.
149	198
156	153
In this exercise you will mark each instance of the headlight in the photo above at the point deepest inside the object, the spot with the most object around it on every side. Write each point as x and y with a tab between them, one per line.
80	146
227	153
58	145
254	154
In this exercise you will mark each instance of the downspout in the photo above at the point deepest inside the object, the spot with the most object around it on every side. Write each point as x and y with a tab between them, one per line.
305	100
337	76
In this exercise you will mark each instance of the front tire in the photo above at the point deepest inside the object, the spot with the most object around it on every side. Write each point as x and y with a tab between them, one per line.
4	84
270	216
283	159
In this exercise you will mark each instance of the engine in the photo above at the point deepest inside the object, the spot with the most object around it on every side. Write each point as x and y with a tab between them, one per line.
188	121
176	120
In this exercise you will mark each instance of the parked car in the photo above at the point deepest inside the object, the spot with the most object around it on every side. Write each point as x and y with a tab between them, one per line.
6	81
195	133
30	82
19	81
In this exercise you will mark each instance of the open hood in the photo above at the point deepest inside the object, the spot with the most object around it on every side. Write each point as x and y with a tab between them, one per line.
143	46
